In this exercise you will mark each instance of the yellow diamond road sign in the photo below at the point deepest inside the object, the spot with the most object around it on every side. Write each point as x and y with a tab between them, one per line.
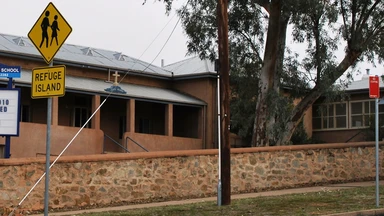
48	81
49	32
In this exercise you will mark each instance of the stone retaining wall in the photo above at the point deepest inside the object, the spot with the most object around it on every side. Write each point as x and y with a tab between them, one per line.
144	177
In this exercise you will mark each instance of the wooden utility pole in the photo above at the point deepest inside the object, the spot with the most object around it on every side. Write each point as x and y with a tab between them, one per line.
222	23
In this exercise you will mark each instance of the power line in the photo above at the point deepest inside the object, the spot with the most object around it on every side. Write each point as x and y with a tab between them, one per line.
170	35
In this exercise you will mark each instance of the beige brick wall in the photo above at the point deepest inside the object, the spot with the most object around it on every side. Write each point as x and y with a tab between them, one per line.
142	177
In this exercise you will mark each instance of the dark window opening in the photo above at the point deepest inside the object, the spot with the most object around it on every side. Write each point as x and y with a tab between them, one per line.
25	115
149	118
145	126
186	121
80	116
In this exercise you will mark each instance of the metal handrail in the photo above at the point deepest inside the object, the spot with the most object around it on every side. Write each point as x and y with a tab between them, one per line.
105	135
126	143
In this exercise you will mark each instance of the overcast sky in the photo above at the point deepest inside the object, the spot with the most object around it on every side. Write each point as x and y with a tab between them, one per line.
119	25
125	26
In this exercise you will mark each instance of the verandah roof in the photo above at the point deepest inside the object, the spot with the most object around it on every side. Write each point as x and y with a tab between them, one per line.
139	92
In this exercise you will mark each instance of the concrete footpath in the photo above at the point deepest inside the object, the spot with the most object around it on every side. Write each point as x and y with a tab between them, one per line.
242	196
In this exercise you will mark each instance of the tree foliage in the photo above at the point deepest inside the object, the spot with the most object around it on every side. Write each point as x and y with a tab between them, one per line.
261	63
361	29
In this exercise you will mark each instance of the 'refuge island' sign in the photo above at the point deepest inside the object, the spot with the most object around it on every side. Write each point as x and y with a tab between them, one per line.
9	112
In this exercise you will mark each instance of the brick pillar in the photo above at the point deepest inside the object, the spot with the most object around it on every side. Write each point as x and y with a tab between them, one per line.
169	120
55	110
131	115
95	122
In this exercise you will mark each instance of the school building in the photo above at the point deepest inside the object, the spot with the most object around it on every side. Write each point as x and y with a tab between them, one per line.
144	107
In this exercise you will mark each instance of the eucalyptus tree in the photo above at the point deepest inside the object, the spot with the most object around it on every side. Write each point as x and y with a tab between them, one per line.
358	23
261	61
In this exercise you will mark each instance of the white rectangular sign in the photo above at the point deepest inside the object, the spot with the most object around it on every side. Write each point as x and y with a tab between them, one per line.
9	112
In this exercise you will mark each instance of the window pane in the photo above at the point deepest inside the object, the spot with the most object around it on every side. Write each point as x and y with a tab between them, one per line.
372	107
368	120
356	108
366	106
341	122
357	121
381	108
316	123
330	110
330	122
316	111
341	109
381	119
325	123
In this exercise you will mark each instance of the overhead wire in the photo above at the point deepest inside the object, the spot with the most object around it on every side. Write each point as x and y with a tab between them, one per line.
97	109
170	35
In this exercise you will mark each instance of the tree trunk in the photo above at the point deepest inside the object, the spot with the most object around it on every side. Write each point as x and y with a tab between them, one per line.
297	114
259	136
307	102
279	70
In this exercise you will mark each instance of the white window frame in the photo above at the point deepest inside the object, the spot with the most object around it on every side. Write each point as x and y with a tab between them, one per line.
74	116
362	114
345	104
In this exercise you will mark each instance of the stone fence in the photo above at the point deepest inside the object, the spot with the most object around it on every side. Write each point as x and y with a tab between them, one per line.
154	176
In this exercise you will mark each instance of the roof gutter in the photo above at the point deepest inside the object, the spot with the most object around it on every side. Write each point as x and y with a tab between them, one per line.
201	75
359	91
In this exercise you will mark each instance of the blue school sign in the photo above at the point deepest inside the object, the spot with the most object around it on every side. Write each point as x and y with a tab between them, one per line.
10	71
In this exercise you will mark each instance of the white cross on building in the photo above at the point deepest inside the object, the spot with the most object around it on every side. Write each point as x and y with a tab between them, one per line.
116	75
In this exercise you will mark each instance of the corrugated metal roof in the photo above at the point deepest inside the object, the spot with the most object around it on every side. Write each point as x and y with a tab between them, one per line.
133	91
75	53
362	84
190	66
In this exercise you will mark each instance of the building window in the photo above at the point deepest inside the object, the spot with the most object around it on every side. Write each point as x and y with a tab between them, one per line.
81	111
25	115
330	116
80	116
363	113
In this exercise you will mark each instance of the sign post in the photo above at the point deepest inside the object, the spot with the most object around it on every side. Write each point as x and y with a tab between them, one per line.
48	34
374	92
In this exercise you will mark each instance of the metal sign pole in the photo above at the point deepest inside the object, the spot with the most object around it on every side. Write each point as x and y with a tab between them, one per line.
7	150
377	149
48	152
48	52
219	187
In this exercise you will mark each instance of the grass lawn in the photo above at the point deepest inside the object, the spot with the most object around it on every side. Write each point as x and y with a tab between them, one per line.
317	203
